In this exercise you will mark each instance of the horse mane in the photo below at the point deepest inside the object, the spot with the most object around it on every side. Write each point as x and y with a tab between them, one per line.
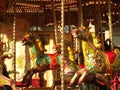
44	42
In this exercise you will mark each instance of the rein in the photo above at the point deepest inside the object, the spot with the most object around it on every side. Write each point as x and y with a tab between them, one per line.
91	45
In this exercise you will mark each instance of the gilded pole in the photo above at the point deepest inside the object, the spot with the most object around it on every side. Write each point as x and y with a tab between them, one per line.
14	40
62	44
55	22
80	14
110	20
80	24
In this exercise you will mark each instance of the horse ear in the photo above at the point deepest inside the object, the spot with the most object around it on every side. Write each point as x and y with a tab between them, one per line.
30	34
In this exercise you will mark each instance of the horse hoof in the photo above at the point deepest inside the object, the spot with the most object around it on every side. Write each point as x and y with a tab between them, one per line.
77	86
70	88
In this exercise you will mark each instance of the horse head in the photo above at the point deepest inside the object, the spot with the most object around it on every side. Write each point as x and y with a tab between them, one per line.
84	34
81	32
34	43
28	39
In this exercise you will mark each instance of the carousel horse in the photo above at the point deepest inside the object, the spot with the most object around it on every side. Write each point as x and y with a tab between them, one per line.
5	80
46	62
103	64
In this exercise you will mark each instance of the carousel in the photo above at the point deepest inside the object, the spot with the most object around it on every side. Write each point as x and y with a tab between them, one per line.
59	44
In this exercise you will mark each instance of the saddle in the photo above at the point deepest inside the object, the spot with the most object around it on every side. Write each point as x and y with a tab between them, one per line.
111	57
53	60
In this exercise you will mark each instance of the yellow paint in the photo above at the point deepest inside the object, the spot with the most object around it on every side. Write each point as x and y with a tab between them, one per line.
71	54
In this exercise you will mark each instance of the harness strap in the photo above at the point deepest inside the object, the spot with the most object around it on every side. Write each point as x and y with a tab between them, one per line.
53	60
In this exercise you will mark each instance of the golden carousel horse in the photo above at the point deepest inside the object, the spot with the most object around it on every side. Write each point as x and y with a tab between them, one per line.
5	80
103	64
46	62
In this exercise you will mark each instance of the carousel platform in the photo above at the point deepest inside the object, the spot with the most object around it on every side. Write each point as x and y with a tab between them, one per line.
35	85
34	88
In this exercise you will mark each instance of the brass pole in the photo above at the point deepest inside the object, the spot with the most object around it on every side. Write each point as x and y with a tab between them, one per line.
69	17
80	23
110	21
62	46
119	14
99	26
80	14
55	22
14	40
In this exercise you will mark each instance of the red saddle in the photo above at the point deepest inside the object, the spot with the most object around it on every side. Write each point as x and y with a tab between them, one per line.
111	56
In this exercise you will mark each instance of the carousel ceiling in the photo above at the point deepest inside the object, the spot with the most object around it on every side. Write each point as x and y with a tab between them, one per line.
38	6
91	8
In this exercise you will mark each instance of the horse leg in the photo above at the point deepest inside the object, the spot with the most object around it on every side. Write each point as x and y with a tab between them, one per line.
28	76
42	80
7	81
82	77
56	78
74	79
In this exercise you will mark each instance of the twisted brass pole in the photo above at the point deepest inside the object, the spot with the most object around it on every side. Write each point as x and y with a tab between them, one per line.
80	23
14	40
62	46
55	22
80	14
110	21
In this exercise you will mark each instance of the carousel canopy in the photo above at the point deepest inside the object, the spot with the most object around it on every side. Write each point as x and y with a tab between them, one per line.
43	9
42	13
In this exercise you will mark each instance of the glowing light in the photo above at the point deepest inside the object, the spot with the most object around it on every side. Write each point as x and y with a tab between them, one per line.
97	2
